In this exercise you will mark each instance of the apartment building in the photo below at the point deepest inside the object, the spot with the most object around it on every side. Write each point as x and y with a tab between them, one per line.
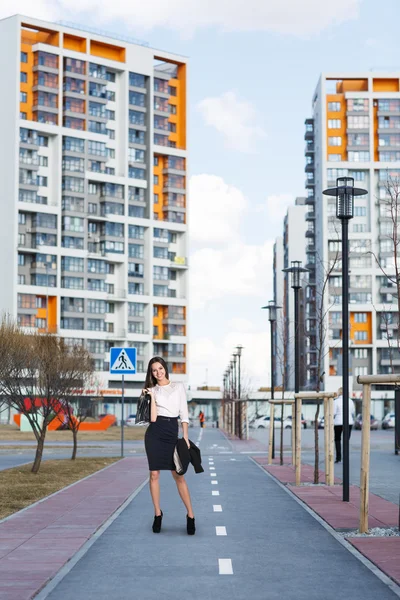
93	234
354	131
290	247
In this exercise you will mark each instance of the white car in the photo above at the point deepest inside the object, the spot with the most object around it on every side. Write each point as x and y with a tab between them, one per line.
263	422
130	421
388	421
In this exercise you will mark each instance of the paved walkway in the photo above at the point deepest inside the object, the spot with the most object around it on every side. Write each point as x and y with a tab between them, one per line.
253	540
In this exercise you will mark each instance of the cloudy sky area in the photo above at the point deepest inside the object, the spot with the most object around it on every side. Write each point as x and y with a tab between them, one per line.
254	65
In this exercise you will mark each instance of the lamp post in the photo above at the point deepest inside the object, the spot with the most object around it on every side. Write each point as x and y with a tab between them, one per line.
237	356
272	308
233	396
344	193
296	269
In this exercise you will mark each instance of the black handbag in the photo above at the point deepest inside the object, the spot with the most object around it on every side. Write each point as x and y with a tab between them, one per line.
143	409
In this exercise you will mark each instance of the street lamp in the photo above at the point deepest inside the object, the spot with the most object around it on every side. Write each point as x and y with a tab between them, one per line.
344	193
272	308
236	357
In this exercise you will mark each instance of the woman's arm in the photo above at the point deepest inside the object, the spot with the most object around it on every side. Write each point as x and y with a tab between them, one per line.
185	428
153	405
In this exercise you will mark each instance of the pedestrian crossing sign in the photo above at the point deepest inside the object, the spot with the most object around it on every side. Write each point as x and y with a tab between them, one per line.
123	361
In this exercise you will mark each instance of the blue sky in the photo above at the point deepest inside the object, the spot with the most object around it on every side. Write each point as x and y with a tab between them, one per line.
253	68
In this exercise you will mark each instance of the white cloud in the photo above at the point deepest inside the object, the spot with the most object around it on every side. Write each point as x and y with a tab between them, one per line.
234	119
292	17
239	270
215	210
275	207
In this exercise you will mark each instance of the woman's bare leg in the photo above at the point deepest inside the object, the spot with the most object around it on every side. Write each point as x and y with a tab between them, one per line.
155	491
183	492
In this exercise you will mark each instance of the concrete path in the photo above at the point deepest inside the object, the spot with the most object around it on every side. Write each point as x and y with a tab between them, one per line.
253	541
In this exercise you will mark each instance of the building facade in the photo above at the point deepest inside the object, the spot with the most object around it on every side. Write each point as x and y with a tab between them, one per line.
354	131
93	234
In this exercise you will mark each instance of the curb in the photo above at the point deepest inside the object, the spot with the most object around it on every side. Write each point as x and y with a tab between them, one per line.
366	562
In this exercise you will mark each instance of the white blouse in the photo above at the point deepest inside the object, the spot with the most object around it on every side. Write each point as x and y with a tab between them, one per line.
171	401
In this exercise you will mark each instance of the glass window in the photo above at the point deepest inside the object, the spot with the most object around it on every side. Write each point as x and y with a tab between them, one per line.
137	80
75	224
71	323
71	263
73	163
96	306
334	123
160	85
136	211
24	57
73	144
389	105
137	99
44	117
160	140
135	288
358	139
136	309
334	106
357	104
97	90
136	250
136	155
73	184
75	105
135	173
23	77
97	127
358	156
77	86
45	59
44	79
72	242
74	65
358	122
135	269
23	97
161	104
137	137
334	141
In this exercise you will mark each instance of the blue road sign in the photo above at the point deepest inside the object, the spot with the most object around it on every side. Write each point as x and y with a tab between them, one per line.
123	361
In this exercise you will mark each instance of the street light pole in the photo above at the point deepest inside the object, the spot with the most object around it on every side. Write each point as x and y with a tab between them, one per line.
237	356
344	193
272	308
296	269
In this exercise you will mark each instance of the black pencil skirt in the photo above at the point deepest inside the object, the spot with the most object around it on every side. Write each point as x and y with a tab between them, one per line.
160	441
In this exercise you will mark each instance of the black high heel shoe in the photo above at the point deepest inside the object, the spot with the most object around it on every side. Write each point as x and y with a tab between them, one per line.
157	523
190	526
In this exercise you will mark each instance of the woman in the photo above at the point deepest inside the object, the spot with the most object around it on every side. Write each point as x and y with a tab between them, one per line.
168	401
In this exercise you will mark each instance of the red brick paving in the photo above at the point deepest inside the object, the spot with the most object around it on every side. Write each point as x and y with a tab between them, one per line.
36	543
327	503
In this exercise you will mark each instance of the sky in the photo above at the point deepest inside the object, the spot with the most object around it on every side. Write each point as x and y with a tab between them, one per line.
253	68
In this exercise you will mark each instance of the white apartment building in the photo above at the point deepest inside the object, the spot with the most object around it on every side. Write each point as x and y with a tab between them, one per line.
354	131
93	228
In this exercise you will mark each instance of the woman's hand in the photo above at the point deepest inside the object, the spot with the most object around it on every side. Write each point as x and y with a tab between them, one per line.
187	441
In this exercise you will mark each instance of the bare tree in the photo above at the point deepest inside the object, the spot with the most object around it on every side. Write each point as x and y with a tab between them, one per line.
38	373
285	365
320	338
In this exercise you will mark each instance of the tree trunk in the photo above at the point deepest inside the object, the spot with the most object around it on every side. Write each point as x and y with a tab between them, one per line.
75	443
281	446
316	442
39	452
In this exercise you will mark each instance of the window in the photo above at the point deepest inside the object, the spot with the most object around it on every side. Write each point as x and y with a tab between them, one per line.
72	242
135	309
21	218
26	301
135	288
135	269
73	144
359	122
96	266
21	279
172	109
136	232
161	104
160	85
96	285
137	80
135	173
97	127
137	99
360	211
360	371
360	317
73	184
73	224
156	180
135	327
72	283
23	77
160	140
72	304
160	290
49	80
360	353
389	105
72	123
334	157
21	260
96	346
160	273
334	123
136	211
73	163
75	105
358	139
359	156
361	336
23	97
43	280
74	65
357	104
110	96
334	106
172	127
160	122
389	122
136	155
21	239
334	141
44	220
24	57
77	86
137	137
136	251
111	208
23	116
389	156
69	263
110	152
96	306
110	133
360	228
172	90
71	323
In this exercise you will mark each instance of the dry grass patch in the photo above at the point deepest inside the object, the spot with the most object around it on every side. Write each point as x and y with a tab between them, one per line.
12	433
20	488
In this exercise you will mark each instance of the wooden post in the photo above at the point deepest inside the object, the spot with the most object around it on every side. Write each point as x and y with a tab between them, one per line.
326	440
298	442
271	421
330	431
293	436
365	454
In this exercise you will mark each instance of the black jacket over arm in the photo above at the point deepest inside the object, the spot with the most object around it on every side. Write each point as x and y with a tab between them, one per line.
184	455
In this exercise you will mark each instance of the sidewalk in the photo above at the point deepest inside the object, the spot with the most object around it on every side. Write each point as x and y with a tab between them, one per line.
36	542
253	540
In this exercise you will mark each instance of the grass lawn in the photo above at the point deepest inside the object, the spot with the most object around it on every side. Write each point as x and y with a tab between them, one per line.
12	433
20	488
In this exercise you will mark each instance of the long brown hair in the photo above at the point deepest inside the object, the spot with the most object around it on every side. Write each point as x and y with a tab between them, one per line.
151	381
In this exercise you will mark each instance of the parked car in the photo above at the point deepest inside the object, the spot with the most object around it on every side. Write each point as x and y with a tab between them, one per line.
263	422
374	423
130	421
388	422
321	423
287	423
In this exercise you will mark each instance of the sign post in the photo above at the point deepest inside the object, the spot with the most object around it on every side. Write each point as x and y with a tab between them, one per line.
122	362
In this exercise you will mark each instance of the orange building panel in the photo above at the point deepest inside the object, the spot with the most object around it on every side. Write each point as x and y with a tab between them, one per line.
365	326
386	85
352	85
109	51
340	131
39	35
73	42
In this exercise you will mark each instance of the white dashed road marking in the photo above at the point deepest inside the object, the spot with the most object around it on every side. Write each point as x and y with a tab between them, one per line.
213	474
225	566
212	468
214	482
220	531
217	508
215	493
